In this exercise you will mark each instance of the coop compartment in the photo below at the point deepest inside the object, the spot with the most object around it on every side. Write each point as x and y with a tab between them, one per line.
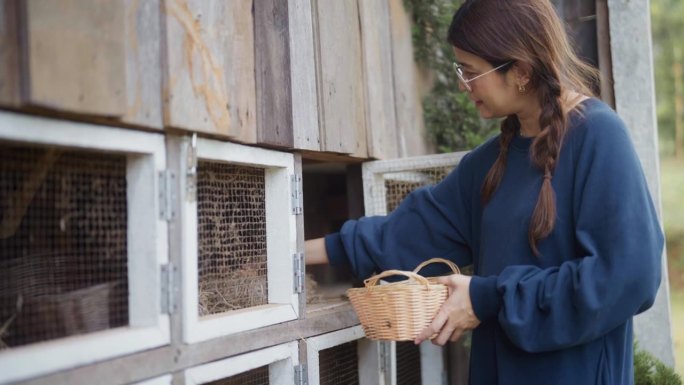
271	366
344	357
386	183
69	244
238	237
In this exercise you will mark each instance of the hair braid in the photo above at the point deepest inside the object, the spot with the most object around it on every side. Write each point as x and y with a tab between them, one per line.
544	154
509	127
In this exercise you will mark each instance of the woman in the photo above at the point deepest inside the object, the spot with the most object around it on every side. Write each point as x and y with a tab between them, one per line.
554	213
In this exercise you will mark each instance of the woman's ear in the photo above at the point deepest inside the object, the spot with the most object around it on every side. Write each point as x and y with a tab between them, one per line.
522	73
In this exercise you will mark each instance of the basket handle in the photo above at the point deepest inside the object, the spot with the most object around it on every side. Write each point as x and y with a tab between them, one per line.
372	281
452	265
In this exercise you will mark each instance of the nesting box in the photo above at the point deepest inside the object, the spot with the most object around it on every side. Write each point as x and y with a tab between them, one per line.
81	244
237	238
386	183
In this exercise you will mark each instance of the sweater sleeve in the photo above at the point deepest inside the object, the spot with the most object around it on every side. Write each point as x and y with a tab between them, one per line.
430	222
619	244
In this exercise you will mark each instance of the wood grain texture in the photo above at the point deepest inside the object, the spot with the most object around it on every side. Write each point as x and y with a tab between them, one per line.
340	77
287	112
410	131
143	63
210	83
273	82
377	53
75	56
9	54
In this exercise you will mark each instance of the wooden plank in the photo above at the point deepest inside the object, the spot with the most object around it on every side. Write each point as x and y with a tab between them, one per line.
605	58
209	83
143	63
9	54
340	79
411	133
175	358
377	52
75	56
274	103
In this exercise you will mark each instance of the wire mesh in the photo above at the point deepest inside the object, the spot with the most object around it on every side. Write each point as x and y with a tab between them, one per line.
400	184
258	376
339	365
408	363
63	243
232	262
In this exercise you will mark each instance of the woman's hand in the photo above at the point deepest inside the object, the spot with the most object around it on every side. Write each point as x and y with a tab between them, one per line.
456	315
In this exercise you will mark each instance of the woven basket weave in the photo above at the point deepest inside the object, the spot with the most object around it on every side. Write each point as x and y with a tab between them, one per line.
399	311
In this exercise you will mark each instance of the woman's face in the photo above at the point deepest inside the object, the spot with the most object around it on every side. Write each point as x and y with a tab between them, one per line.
495	94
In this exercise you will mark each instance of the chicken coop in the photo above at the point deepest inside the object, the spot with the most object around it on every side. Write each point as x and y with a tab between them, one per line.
162	163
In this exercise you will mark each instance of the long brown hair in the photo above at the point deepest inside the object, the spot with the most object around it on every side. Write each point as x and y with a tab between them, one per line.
528	32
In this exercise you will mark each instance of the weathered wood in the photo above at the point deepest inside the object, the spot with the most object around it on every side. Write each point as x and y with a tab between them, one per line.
377	53
75	56
605	58
9	54
154	362
410	133
209	79
274	103
143	63
340	77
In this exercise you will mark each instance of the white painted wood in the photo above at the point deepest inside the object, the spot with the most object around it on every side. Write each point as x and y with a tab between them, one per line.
163	380
280	239
315	344
432	366
303	66
147	246
370	363
38	359
277	357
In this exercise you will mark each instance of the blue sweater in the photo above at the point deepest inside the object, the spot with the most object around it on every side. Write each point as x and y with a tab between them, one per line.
564	317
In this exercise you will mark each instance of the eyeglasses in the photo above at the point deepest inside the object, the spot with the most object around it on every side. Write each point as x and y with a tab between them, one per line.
466	79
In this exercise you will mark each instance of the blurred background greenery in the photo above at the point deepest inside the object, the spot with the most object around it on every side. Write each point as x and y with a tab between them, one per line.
667	23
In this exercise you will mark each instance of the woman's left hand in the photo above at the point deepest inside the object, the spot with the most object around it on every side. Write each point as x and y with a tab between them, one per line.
456	314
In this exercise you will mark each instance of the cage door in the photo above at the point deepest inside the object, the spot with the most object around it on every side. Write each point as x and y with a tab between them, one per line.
82	244
237	239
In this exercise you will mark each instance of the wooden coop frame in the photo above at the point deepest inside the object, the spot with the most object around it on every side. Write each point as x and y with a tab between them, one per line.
162	380
147	326
375	174
369	368
282	361
281	236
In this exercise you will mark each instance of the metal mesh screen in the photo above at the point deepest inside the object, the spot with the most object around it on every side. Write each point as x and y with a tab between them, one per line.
408	363
63	237
258	376
399	184
231	211
339	365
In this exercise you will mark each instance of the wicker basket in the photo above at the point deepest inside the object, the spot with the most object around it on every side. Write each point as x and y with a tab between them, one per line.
399	311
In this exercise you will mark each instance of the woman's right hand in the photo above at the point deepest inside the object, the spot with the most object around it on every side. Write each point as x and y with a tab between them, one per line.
314	252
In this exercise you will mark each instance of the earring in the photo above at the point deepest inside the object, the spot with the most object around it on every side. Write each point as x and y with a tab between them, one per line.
521	88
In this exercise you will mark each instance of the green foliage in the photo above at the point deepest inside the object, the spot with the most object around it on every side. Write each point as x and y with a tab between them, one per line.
667	23
452	121
648	370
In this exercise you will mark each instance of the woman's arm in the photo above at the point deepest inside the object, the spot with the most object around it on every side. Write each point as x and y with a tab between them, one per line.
314	252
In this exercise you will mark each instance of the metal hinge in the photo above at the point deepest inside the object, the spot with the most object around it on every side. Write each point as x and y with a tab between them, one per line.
191	172
300	375
167	195
296	191
169	288
298	268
